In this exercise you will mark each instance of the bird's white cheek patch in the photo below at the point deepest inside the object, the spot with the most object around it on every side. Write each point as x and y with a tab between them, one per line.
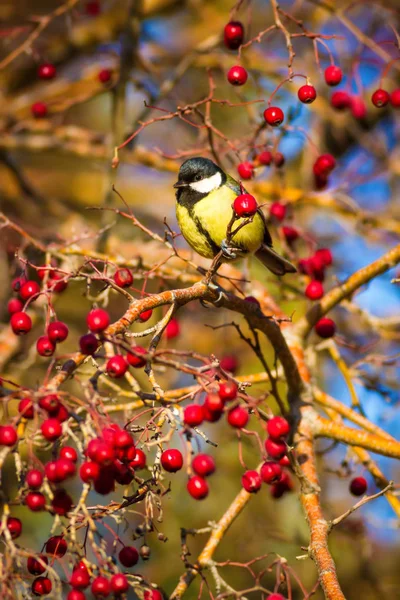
205	186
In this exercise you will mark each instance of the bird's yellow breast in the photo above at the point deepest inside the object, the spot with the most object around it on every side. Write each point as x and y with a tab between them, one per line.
204	225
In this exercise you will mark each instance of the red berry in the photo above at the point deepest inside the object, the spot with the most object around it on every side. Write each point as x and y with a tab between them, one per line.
325	255
104	454
238	417
237	75
88	344
395	98
62	414
14	526
265	158
233	35
285	461
358	486
279	159
173	329
246	170
39	110
197	487
57	332
45	346
35	501
278	211
69	453
229	363
104	77
47	71
123	278
358	107
227	391
203	465
119	583
145	315
51	429
275	597
214	403
56	282
307	94
50	403
270	472
291	234
41	586
325	328
153	595
51	472
284	485
277	428
20	323
172	460
139	460
65	468
193	415
123	439
14	306
89	471
274	115
61	503
340	100
56	546
116	366
98	320
211	415
333	75
275	448
8	435
314	290
253	300
128	556
136	361
93	8
80	578
324	164
380	98
29	289
101	587
34	479
76	595
25	408
34	566
245	205
251	481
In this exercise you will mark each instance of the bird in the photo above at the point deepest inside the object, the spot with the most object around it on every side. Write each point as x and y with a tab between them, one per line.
204	198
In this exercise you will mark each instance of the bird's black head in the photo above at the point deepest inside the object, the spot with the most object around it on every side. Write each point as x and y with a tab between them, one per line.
199	176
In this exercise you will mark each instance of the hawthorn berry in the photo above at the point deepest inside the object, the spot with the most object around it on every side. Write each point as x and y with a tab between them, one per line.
238	417
227	391
139	460
276	597
17	283
105	483
98	320
104	454
251	481
333	75
173	329
76	594
193	415
14	526
358	486
245	205
265	158
41	586
307	94
285	461
203	465
274	115
35	501
324	164
57	332
153	595
34	566
119	583
197	487
88	344
172	460
277	210
341	100
395	98
214	403
270	472
51	472
229	363
105	76
14	306
56	545
237	75
314	290
145	315
246	170
61	503
290	233
51	429
69	453
25	408
122	473
325	255
380	98
358	108
93	8
284	485
89	471
325	328
21	323
39	110
279	159
233	35
47	71
128	556
116	366
50	403
65	468
34	479
29	289
275	448
123	439
134	357
211	415
277	428
45	346
8	435
100	587
123	278
80	578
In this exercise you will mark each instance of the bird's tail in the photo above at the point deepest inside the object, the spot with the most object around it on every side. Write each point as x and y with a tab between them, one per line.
273	261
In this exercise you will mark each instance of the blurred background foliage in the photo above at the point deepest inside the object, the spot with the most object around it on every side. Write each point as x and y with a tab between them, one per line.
53	169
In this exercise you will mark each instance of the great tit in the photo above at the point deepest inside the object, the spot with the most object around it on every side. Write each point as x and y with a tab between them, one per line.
204	198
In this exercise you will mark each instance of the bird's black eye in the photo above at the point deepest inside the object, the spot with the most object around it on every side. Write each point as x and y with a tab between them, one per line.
197	177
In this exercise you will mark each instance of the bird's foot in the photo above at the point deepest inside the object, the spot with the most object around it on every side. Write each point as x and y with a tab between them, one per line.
229	252
214	287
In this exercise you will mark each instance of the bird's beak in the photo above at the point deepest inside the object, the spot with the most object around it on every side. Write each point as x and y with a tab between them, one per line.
180	184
